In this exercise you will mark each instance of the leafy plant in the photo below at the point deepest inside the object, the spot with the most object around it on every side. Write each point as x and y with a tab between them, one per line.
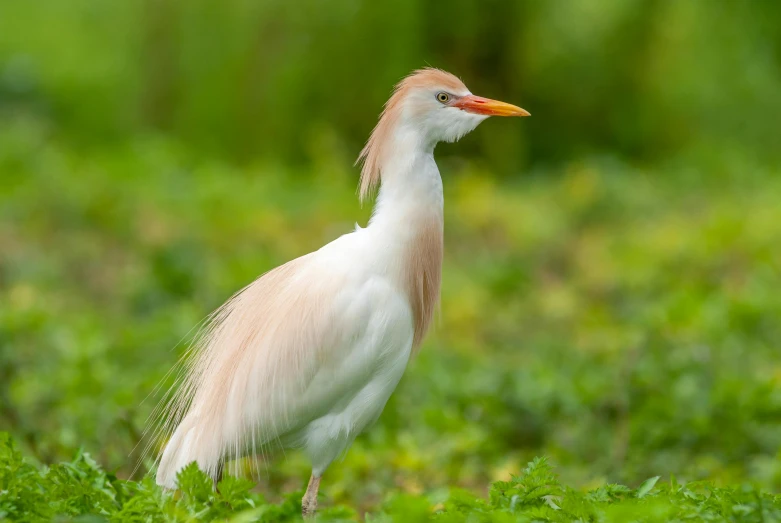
80	490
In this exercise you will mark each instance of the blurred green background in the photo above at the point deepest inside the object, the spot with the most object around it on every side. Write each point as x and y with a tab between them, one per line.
612	285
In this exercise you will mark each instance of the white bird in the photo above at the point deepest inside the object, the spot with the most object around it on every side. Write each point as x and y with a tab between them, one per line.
309	353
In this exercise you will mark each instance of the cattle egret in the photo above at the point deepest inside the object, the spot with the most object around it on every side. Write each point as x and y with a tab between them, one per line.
309	353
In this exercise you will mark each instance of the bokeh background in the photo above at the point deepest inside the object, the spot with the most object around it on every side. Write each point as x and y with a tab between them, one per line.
612	284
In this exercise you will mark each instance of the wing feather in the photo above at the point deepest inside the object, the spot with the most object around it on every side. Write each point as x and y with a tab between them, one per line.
251	364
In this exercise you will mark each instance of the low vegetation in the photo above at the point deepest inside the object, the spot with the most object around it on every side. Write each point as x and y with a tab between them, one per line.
80	490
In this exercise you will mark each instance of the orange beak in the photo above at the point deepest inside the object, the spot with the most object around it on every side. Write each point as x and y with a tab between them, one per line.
486	106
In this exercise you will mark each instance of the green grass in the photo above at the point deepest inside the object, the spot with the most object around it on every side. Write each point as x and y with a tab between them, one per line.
621	320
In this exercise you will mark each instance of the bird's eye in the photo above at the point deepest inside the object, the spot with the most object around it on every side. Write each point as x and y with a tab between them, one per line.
443	97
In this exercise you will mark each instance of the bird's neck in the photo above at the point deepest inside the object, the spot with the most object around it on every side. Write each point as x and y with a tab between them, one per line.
411	187
408	216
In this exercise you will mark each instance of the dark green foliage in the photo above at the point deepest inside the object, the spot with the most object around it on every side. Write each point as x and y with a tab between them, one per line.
80	491
640	78
78	488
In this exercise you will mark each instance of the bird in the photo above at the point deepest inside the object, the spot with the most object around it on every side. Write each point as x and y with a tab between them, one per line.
308	354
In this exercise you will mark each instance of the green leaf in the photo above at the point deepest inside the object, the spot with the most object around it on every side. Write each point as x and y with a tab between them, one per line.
195	484
647	486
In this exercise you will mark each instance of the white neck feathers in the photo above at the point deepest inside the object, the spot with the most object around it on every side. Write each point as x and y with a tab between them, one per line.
409	216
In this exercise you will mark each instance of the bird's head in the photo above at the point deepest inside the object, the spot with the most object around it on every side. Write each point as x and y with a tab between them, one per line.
441	107
430	106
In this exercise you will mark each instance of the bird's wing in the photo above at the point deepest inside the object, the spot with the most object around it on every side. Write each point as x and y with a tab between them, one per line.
263	353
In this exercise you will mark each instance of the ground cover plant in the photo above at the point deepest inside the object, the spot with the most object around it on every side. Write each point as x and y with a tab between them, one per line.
68	491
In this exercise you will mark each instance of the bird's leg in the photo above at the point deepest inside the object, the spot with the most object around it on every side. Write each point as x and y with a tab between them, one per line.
309	502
